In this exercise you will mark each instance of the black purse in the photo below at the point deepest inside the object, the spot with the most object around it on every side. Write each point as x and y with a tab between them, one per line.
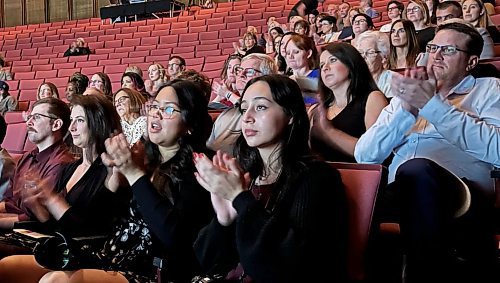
66	253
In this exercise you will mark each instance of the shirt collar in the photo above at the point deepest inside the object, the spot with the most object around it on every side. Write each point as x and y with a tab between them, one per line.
463	87
45	154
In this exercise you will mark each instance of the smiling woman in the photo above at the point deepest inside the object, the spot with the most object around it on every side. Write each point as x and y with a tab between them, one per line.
128	104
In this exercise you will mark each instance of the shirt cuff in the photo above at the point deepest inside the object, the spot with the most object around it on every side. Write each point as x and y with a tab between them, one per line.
434	109
243	201
403	120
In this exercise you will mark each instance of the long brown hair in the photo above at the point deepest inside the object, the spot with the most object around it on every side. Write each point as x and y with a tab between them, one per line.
413	48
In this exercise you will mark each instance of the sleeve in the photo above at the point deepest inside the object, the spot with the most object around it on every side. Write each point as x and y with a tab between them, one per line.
286	243
96	218
177	223
12	104
67	53
389	131
478	136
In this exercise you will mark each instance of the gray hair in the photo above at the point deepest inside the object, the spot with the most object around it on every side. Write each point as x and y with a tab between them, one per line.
381	39
267	65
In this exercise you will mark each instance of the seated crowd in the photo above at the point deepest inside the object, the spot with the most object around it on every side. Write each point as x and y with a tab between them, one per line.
248	196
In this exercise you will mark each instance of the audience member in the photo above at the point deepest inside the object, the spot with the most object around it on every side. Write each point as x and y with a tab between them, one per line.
404	46
157	75
442	125
176	65
302	27
227	87
273	199
5	74
102	82
93	91
7	163
77	84
134	81
394	11
46	125
47	89
304	7
302	58
249	46
374	47
77	48
418	13
7	102
343	19
85	200
200	79
360	24
328	29
452	10
135	69
270	37
169	207
227	126
367	9
432	6
128	104
350	103
475	13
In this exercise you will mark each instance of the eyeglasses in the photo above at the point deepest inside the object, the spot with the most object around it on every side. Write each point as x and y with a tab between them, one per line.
248	72
166	112
358	22
401	30
38	116
413	10
392	8
121	100
445	49
444	18
369	53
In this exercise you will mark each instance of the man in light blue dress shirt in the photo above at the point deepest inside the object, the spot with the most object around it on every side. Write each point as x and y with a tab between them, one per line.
443	127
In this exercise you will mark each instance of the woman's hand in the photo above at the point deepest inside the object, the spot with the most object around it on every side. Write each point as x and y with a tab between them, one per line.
319	123
222	91
223	176
125	159
40	198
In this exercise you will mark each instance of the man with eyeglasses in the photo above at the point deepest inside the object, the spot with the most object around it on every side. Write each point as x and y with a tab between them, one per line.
176	64
227	126
443	127
47	125
448	10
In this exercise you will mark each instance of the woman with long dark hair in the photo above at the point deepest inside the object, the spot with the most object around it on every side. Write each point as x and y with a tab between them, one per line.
350	103
271	200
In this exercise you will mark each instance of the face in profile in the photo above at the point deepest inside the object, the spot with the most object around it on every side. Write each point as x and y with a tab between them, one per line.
40	124
165	124
78	127
263	122
69	91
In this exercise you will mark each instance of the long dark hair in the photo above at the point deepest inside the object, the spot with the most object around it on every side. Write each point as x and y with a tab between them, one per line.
361	81
198	123
102	120
413	47
295	149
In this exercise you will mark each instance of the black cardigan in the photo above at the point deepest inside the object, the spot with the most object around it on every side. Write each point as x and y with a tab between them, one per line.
288	244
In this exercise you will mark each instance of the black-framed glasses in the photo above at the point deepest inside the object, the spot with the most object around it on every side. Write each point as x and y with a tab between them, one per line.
358	22
248	72
121	100
38	116
392	8
166	112
445	49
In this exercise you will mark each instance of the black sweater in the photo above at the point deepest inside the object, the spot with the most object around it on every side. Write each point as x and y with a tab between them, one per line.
289	243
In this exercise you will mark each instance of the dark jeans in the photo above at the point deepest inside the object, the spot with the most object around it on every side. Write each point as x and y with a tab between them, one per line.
438	246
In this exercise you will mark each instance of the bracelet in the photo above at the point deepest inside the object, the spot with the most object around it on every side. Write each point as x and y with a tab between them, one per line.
228	95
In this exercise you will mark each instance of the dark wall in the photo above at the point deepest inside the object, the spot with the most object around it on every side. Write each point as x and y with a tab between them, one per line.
23	12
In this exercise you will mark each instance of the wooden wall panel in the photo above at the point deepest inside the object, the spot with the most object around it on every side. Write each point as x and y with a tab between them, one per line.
35	11
82	9
13	13
58	10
